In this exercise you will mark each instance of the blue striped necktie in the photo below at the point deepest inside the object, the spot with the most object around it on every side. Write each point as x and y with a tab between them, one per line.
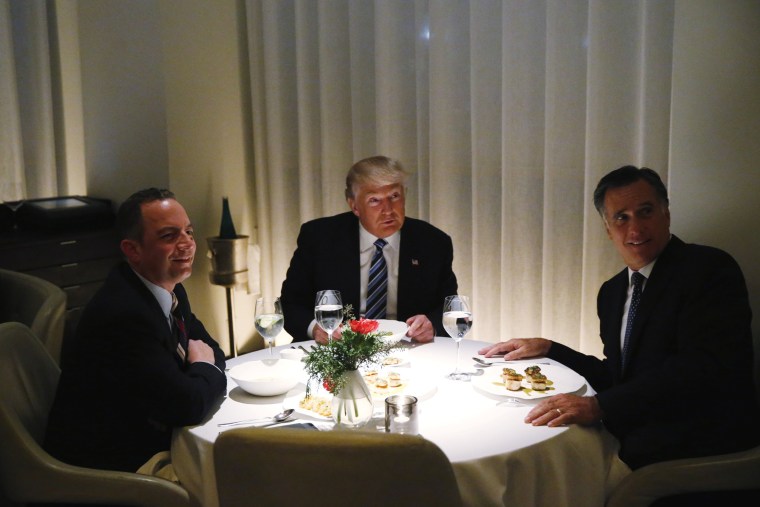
638	283
377	285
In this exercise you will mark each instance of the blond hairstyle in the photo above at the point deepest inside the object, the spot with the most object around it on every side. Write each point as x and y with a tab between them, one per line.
377	170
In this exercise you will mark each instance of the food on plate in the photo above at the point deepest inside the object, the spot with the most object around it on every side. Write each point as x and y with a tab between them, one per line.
532	370
538	382
394	379
370	377
381	383
391	361
505	372
513	381
316	404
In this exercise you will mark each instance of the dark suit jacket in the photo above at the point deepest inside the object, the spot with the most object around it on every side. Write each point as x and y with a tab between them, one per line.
687	389
124	386
327	257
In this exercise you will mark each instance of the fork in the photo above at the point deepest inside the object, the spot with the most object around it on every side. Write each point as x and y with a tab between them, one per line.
500	361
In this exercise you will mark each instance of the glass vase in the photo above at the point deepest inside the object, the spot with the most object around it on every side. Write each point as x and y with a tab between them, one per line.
352	406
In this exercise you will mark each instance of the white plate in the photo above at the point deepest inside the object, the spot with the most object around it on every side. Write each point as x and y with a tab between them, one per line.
397	328
422	389
294	397
394	359
560	379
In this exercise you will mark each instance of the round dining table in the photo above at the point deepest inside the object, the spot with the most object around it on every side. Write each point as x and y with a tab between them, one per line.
497	458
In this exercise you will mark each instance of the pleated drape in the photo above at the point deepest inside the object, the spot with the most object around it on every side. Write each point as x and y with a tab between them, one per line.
27	140
506	112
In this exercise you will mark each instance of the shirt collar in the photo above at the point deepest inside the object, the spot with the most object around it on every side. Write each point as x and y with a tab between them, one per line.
646	271
163	296
367	240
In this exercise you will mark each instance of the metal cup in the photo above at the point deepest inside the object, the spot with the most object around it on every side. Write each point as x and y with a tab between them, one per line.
401	414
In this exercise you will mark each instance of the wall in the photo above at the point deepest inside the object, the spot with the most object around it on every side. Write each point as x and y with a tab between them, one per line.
715	137
123	97
209	141
164	86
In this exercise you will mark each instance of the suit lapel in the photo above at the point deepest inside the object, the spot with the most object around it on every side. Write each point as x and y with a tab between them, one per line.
658	280
408	269
619	290
346	262
166	336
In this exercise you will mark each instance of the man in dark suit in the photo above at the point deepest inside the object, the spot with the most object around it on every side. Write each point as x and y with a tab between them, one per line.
336	253
139	364
689	344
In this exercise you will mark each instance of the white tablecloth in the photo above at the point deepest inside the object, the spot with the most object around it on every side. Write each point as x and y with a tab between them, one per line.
497	458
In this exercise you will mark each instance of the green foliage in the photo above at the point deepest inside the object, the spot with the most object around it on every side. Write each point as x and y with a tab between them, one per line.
328	363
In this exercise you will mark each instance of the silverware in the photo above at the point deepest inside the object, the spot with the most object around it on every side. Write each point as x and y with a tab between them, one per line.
301	347
485	362
277	418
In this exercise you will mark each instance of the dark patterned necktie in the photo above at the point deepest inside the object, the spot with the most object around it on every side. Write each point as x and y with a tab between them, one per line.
638	283
377	285
179	328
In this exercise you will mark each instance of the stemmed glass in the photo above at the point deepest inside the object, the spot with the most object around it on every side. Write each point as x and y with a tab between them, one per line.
328	311
457	321
269	320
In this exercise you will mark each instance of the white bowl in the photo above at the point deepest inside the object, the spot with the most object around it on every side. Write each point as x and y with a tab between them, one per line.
292	354
269	377
395	327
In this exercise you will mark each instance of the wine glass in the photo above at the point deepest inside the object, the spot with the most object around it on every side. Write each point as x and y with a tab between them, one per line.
457	321
328	311
269	320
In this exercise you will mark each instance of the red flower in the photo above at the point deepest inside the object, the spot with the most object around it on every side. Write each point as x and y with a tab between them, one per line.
363	326
328	384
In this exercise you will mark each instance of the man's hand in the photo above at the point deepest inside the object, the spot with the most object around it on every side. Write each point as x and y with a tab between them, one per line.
420	329
518	348
320	336
199	351
565	409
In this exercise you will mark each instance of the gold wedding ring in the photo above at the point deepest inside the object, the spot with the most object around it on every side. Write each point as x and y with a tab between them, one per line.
558	411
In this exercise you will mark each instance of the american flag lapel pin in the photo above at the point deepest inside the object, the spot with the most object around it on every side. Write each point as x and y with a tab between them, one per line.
415	262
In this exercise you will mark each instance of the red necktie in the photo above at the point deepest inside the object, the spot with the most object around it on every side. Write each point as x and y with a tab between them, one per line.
179	328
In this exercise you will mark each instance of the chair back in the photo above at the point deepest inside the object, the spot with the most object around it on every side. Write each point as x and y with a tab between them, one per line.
29	379
289	467
37	303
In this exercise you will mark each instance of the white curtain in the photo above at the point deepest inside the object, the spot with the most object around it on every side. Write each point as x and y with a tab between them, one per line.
507	112
27	141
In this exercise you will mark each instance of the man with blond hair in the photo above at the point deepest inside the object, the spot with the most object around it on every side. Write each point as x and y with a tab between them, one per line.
339	252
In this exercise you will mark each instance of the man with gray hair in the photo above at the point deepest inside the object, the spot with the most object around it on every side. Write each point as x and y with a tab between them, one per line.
342	252
675	324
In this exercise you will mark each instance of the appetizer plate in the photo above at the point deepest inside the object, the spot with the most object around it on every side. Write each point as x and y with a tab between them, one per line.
293	400
560	379
417	386
422	388
394	358
395	327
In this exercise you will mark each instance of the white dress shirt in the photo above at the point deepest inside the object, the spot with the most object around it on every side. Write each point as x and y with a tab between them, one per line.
646	271
390	252
366	252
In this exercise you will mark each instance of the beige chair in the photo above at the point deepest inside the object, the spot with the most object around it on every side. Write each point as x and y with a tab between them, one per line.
731	473
287	467
29	377
37	303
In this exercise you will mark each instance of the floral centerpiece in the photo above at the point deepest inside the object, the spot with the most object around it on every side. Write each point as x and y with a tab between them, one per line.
336	367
